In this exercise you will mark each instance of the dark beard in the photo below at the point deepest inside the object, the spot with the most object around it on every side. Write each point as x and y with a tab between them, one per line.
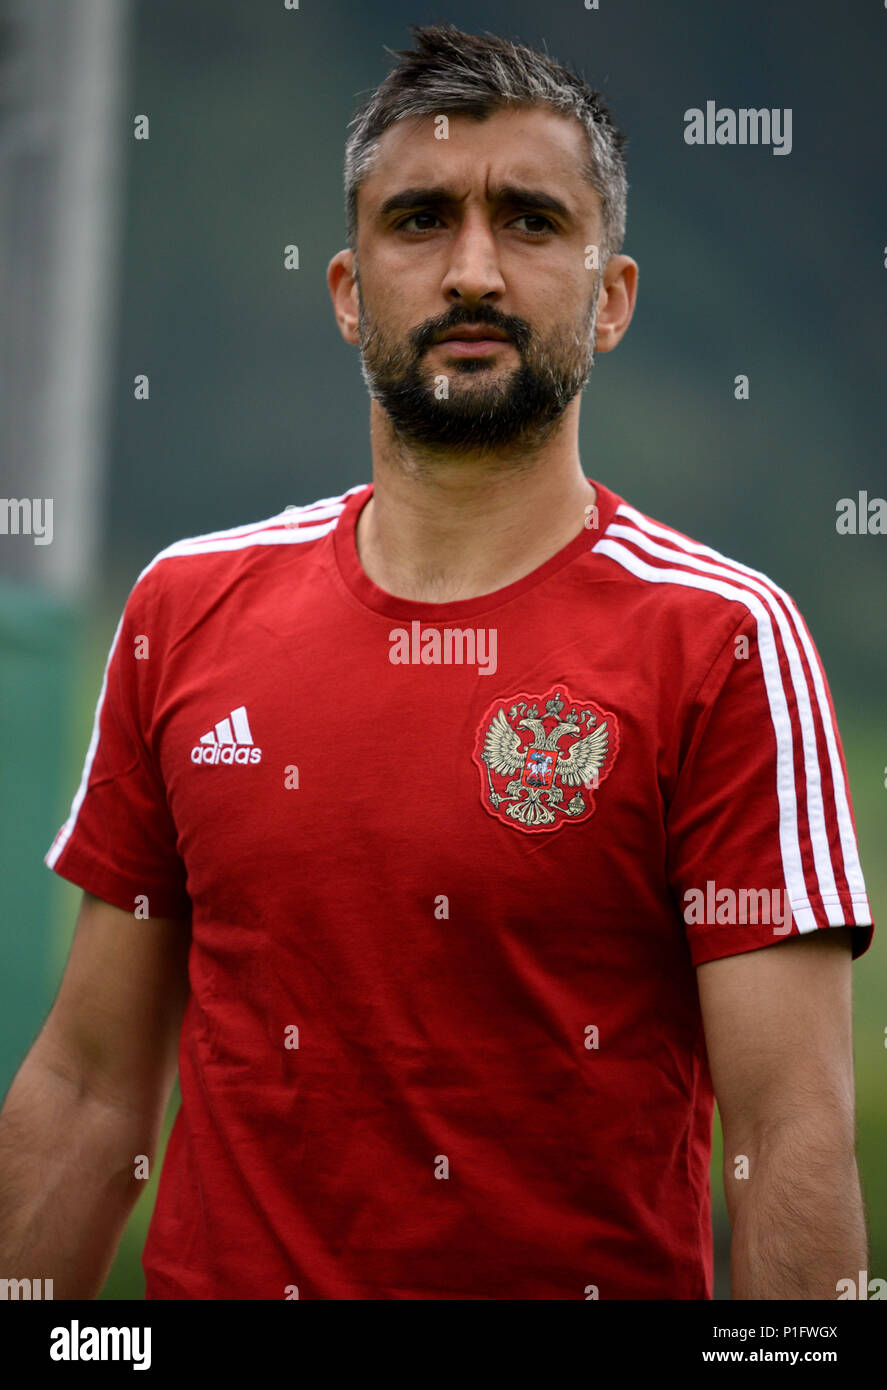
523	407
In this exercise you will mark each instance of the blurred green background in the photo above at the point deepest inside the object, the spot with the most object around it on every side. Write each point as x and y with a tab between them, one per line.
749	263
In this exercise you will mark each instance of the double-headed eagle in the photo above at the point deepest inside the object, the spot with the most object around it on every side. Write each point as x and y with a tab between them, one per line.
503	753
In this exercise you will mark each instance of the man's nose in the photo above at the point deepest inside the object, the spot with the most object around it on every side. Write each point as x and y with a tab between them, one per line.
474	273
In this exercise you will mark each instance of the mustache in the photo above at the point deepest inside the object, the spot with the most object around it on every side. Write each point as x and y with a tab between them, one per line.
517	329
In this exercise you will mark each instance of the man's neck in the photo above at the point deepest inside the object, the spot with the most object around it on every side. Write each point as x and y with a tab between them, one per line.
440	529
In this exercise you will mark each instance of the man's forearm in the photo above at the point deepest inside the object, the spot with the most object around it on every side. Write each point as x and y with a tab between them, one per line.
797	1218
66	1180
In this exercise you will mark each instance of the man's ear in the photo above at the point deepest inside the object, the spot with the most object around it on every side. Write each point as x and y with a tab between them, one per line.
343	291
616	302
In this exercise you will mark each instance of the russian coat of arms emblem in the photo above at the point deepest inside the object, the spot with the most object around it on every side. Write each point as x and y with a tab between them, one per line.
532	751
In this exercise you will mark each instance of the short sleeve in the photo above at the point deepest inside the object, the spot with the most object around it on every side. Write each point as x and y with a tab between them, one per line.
760	828
119	840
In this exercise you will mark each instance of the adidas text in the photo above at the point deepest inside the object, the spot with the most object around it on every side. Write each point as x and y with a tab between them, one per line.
231	741
229	753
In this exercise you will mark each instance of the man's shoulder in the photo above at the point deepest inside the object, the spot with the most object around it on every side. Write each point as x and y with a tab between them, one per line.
661	563
221	555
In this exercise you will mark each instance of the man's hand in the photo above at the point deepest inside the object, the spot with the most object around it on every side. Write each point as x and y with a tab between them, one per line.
778	1033
89	1099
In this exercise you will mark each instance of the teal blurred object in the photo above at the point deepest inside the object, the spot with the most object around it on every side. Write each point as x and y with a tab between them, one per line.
39	639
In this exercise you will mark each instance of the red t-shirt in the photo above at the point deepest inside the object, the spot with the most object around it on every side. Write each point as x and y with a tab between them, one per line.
450	868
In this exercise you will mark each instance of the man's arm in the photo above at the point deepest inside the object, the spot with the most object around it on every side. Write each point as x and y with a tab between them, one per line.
778	1033
89	1097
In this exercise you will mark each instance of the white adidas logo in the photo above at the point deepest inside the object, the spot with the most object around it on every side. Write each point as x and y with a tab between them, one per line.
229	742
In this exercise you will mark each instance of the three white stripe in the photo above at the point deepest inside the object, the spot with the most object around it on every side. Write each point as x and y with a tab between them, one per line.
222	733
737	581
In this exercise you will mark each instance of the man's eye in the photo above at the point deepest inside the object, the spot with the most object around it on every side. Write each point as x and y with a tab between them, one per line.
541	224
421	219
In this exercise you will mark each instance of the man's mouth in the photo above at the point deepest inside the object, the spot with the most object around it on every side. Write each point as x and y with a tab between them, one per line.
473	340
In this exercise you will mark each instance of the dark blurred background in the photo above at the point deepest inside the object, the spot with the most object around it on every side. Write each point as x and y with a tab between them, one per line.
164	257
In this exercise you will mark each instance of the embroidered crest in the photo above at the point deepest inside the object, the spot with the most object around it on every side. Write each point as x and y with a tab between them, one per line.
529	761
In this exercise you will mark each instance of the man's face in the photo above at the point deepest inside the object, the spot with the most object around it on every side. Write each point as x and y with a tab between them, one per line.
487	229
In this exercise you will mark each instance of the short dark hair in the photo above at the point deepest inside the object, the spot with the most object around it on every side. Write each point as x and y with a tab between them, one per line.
475	75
